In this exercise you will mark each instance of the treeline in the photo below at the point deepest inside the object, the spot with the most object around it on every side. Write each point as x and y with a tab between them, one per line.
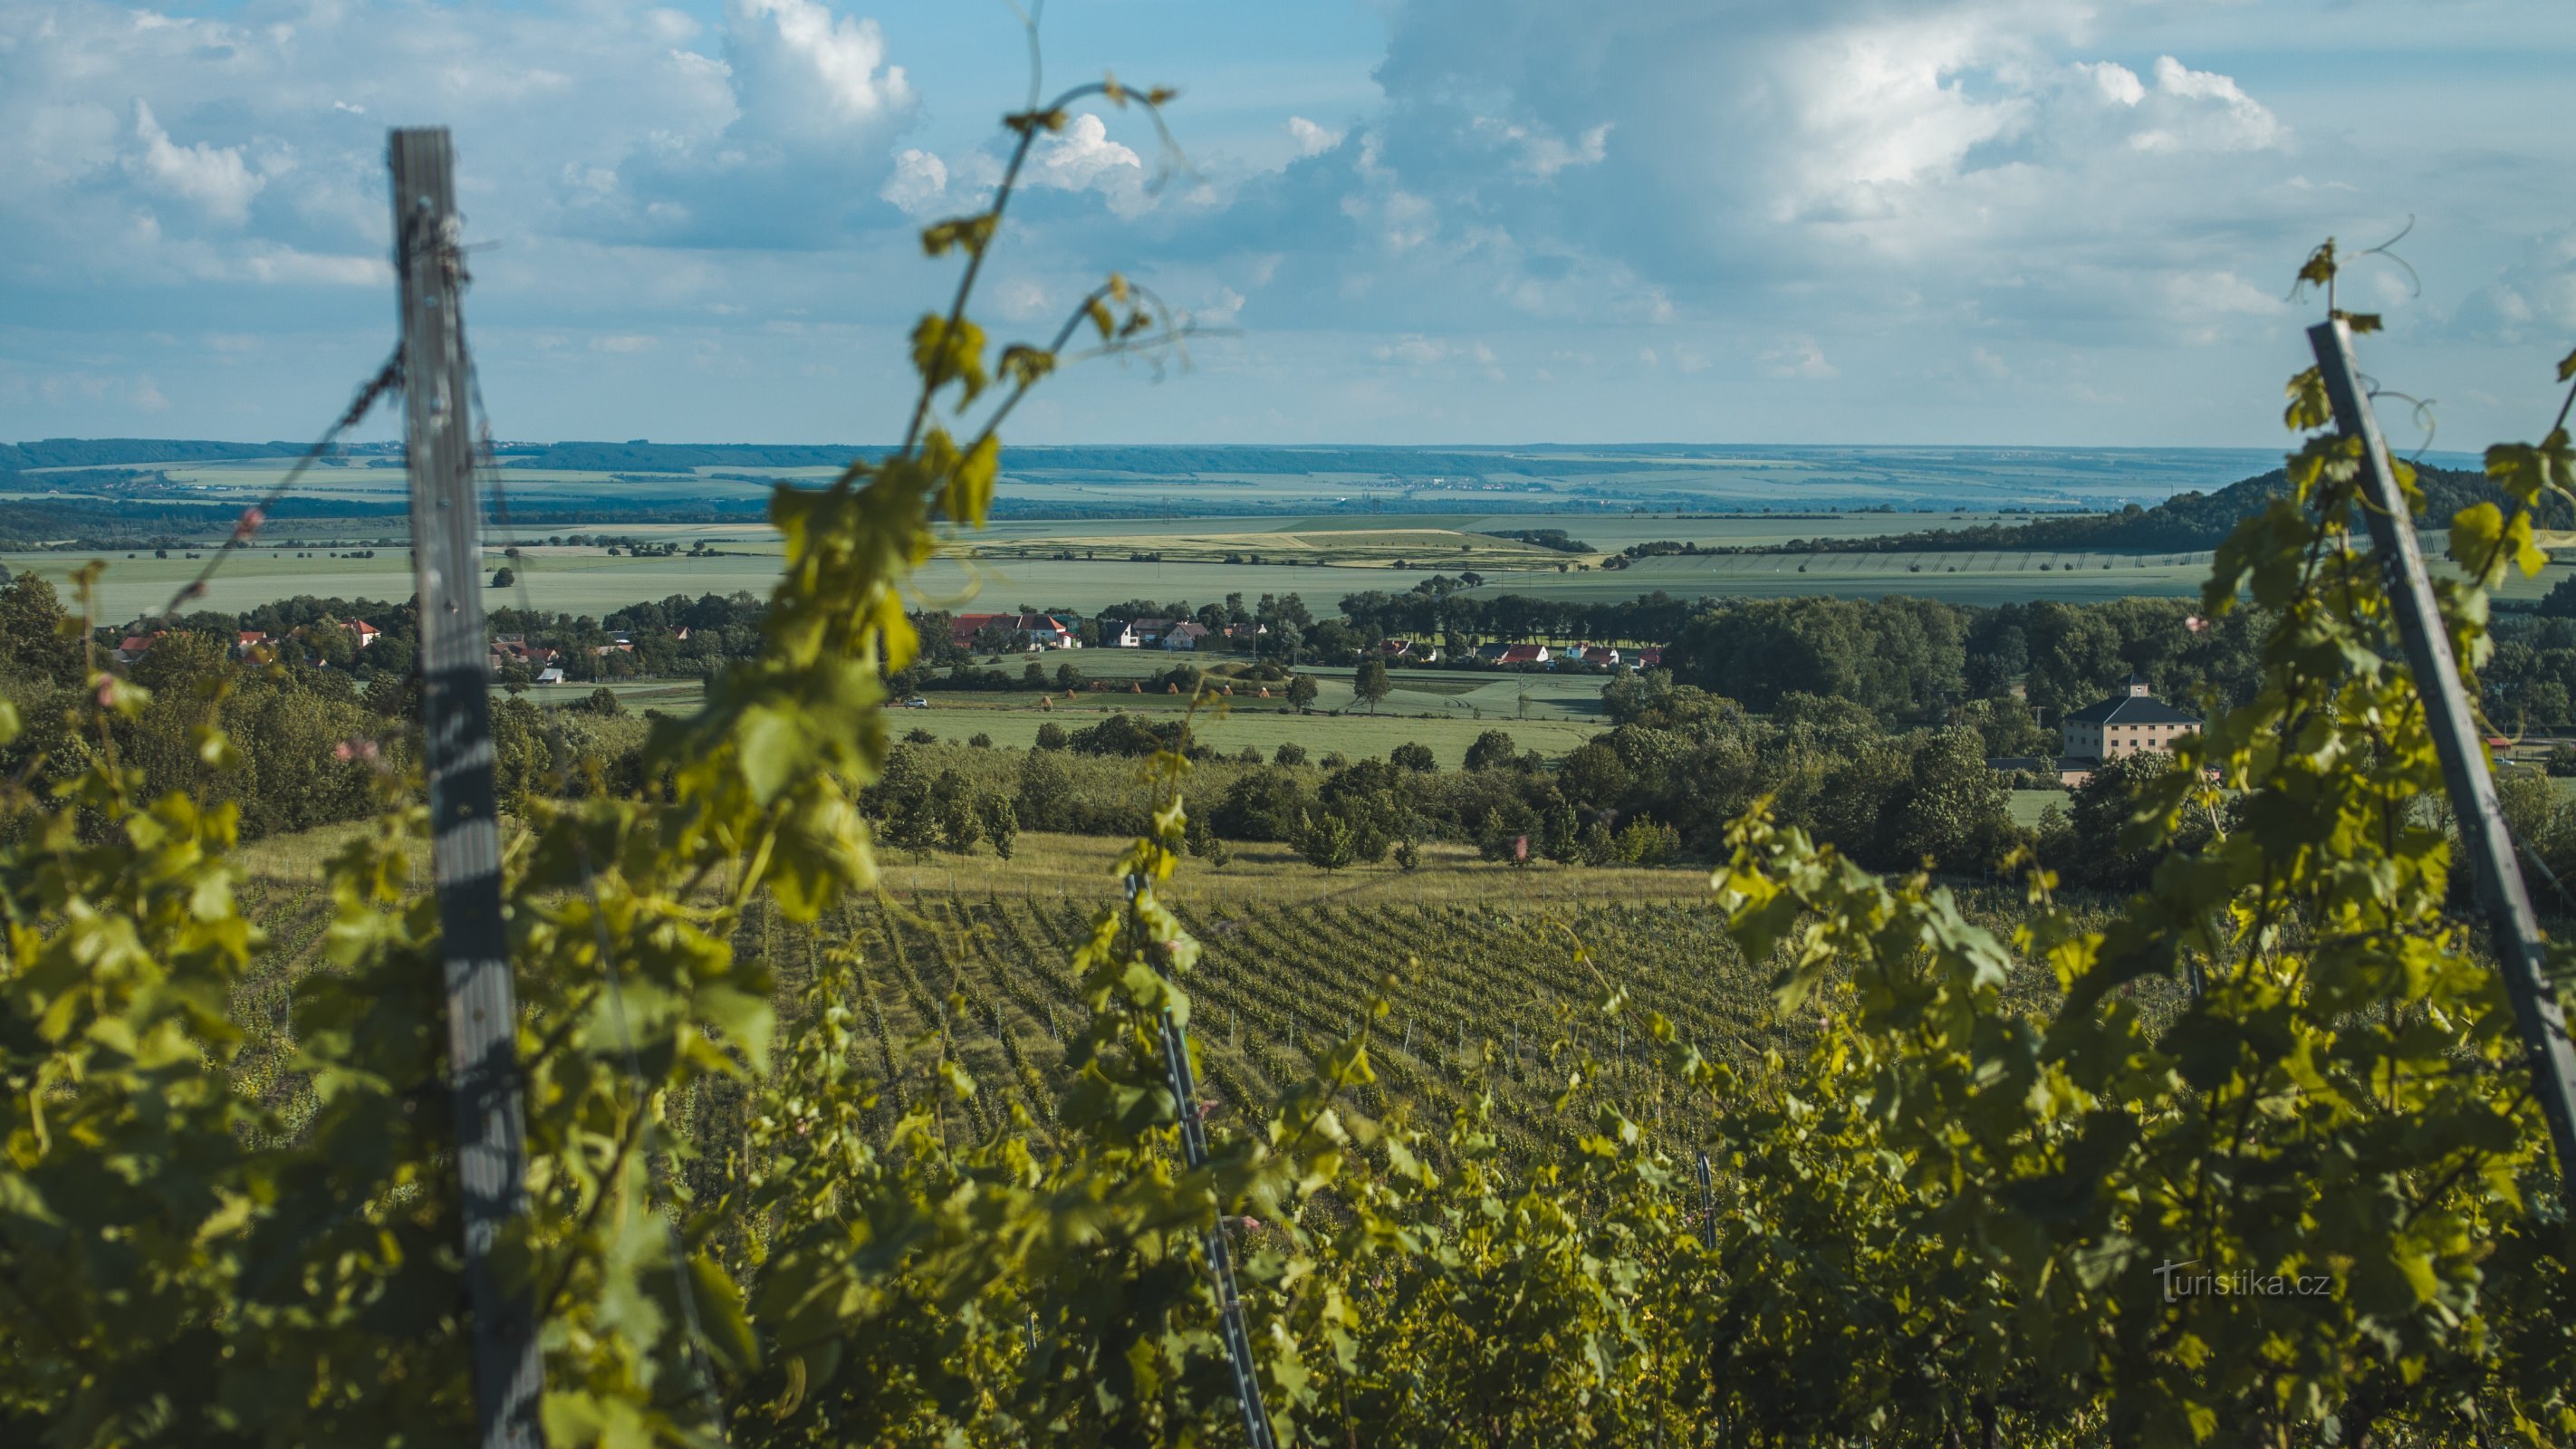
2184	523
313	722
1659	787
1916	660
304	741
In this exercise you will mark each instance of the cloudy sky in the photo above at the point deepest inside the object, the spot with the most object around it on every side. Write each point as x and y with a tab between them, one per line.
1736	221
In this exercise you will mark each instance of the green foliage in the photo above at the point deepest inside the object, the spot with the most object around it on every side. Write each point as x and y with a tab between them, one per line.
1369	683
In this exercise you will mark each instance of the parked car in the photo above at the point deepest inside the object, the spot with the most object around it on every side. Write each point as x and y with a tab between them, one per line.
916	702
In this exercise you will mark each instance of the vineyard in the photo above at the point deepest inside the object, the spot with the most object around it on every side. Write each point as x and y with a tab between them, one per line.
1480	1000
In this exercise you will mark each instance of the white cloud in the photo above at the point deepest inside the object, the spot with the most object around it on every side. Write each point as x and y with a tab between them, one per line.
1223	312
1541	154
919	184
285	265
1081	157
1311	139
1412	349
2117	82
808	74
214	177
2210	112
1798	357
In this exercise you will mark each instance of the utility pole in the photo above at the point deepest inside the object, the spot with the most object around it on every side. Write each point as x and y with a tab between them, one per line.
465	834
2453	725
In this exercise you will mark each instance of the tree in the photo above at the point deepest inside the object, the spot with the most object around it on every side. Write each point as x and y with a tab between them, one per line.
1329	843
1045	797
1302	691
1052	736
1001	822
38	639
1492	750
1415	756
960	826
503	578
1370	683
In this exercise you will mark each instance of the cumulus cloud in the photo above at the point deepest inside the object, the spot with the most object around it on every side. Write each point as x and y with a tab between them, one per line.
2207	111
1311	139
806	76
213	177
1081	157
1791	195
919	184
2532	301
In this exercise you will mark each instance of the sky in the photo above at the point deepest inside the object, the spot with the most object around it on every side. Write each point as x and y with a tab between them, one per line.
2001	222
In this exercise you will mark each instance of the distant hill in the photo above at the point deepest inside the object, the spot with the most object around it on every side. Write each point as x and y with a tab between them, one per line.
112	452
1180	460
2184	523
1149	460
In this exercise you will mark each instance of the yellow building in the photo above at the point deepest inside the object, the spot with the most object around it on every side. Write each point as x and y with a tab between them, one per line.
2125	724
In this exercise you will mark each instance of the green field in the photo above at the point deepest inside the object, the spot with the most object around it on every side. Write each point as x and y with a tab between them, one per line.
1150	482
1445	710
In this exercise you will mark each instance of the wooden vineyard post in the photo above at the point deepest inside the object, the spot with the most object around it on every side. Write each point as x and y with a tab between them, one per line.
1707	1206
1220	1255
465	835
2483	837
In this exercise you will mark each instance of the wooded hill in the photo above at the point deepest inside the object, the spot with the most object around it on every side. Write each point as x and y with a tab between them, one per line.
2183	523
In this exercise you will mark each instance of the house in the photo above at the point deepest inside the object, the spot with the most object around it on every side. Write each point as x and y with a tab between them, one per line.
1246	631
135	646
1597	656
1491	653
1524	654
248	641
1149	632
550	676
1026	631
1651	657
364	632
1118	634
512	649
2131	722
1184	635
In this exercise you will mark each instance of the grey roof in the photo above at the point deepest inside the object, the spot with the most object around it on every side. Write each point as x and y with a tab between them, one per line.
2132	709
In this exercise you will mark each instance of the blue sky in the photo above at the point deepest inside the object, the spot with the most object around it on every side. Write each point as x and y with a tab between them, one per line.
2058	222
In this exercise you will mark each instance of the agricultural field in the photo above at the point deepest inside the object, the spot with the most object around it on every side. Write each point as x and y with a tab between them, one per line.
1547	713
1216	480
1476	961
1320	535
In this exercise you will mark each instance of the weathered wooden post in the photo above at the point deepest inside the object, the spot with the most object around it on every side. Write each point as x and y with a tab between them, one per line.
465	836
2453	725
